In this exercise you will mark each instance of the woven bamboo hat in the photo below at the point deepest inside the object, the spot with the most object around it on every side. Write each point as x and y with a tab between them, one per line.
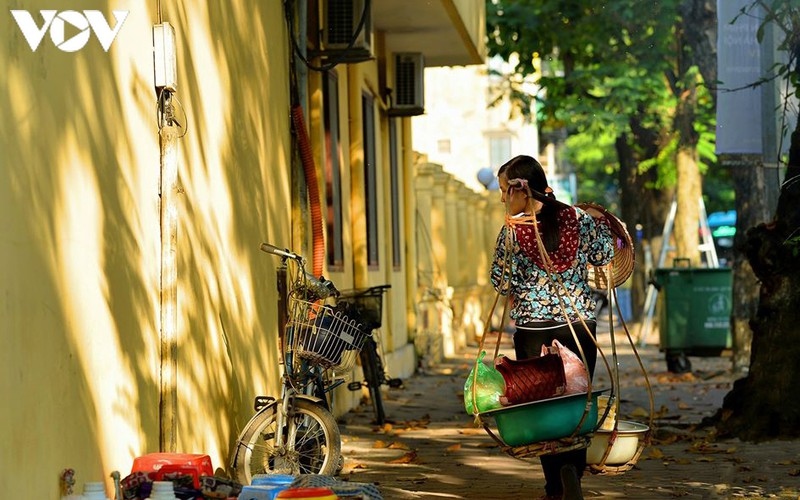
624	256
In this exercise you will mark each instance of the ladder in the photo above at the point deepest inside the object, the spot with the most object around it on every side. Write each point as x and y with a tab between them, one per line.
706	247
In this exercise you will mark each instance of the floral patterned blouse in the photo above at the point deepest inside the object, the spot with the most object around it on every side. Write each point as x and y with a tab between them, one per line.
583	240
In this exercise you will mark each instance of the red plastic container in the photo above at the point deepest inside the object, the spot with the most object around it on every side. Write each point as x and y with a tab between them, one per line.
157	465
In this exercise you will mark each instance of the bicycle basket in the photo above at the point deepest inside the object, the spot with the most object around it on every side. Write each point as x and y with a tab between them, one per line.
366	304
323	336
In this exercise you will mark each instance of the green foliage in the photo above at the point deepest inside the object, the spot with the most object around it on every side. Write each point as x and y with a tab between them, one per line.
596	157
604	66
794	245
591	53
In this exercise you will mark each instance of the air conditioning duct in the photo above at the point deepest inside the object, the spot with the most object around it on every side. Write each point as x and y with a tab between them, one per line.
408	94
346	30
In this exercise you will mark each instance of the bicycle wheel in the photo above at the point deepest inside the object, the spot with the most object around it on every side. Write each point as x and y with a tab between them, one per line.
311	433
373	374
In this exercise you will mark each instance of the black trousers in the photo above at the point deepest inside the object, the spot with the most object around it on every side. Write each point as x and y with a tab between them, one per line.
528	342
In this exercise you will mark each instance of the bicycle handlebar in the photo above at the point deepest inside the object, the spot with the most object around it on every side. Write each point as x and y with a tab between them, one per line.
285	253
317	287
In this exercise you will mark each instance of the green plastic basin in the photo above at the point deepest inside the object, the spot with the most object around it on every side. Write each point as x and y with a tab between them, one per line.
546	419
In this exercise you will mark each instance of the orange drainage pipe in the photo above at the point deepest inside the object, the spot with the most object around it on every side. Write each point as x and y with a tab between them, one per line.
310	171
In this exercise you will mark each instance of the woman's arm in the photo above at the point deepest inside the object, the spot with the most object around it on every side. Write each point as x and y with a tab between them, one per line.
498	273
597	238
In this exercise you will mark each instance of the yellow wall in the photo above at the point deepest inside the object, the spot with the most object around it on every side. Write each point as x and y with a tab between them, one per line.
81	262
472	23
80	251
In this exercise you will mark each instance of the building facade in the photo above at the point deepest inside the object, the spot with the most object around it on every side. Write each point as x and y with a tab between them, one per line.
138	314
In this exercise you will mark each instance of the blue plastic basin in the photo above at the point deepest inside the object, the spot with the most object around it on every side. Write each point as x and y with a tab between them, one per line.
266	486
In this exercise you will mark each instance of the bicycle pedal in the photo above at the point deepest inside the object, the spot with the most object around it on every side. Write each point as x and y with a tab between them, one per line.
394	383
262	401
354	386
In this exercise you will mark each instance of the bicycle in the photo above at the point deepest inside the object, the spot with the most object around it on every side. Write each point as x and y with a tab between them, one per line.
296	433
367	305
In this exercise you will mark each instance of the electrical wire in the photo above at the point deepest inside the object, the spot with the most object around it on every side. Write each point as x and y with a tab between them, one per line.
333	61
165	111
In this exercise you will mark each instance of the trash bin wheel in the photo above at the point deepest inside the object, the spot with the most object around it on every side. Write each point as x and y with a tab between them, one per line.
677	362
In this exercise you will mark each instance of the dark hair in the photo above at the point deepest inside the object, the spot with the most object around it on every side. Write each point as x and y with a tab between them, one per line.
529	169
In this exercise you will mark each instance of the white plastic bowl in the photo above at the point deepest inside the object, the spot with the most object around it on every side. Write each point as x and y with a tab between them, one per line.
624	447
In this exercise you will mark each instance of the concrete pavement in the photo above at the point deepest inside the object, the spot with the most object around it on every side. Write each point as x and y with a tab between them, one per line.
430	448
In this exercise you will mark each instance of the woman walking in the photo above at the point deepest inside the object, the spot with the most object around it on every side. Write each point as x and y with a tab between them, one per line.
548	284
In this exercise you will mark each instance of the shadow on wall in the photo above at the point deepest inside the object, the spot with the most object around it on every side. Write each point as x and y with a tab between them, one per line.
81	244
237	194
434	326
73	246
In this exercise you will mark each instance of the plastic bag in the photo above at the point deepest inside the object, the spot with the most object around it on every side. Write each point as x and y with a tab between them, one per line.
574	371
489	386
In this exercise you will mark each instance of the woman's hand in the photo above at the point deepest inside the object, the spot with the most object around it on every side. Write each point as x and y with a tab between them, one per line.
594	212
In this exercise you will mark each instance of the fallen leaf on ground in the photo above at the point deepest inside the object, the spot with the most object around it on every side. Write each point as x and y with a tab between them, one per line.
379	444
407	458
684	406
452	448
420	423
397	445
666	378
472	431
705	448
672	438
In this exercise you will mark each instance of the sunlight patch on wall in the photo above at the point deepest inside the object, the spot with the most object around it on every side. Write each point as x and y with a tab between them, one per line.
79	272
23	104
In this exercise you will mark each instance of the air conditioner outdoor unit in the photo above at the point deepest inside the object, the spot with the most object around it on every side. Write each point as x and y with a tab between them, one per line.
408	95
341	37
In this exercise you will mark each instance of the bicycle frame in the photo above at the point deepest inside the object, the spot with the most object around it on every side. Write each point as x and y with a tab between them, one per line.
297	430
289	377
367	305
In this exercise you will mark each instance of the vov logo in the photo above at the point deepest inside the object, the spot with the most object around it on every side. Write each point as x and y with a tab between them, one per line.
55	22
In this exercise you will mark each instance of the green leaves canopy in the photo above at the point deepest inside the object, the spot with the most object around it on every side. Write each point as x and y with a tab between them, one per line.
603	66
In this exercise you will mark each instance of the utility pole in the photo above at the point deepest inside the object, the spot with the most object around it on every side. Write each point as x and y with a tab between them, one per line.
165	66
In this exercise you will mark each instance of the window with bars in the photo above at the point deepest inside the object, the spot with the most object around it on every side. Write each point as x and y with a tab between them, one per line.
370	181
396	179
333	182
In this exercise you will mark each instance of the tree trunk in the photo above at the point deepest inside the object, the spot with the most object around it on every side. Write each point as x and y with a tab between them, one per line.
747	173
644	213
764	404
698	42
689	181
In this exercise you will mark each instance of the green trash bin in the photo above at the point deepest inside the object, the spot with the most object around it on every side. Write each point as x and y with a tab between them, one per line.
694	311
